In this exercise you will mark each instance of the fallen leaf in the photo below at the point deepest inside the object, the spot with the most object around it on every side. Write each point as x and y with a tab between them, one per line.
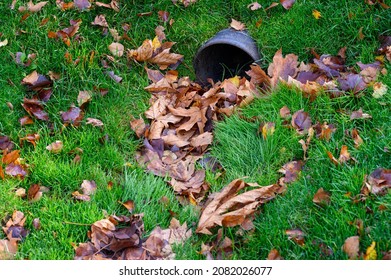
324	131
8	249
3	43
20	192
37	223
116	78
301	121
78	196
117	49
88	187
82	4
257	75
31	138
83	98
254	6
203	139
371	252
296	235
359	115
55	147
344	155
15	170
274	255
94	122
73	116
287	4
285	112
379	181
26	120
291	170
34	193
34	107
229	208
10	157
129	204
351	247
100	20
321	197
138	126
164	16
35	7
272	5
281	68
6	143
379	89
267	129
237	25
356	138
316	14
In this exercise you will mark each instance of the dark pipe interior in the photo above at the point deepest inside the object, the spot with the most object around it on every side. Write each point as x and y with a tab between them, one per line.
221	61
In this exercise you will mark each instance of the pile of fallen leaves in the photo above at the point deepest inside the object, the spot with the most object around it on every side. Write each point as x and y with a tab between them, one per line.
121	238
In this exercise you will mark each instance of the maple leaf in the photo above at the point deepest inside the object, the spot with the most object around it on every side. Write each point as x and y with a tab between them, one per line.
379	181
138	126
352	247
356	138
34	193
281	68
229	208
237	25
15	170
6	143
285	112
291	170
100	20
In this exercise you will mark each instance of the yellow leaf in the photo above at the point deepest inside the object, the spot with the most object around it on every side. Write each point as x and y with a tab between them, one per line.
316	14
371	252
156	43
235	80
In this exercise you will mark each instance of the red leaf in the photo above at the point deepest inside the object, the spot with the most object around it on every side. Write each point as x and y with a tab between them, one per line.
73	116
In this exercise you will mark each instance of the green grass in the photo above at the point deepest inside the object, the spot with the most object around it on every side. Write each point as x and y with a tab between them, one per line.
237	145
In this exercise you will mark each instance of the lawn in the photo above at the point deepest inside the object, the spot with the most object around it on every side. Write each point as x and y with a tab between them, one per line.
107	154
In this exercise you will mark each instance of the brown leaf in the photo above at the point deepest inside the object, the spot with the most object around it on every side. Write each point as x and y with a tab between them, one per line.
164	16
8	249
287	4
291	170
88	187
25	120
82	4
94	122
203	139
285	112
274	255
301	121
15	170
165	59
356	138
34	107
20	192
6	143
55	147
73	116
254	6
37	224
282	68
83	98
138	126
379	181
321	197
237	25
257	75
78	196
35	7
352	247
117	49
31	138
229	208
272	5
11	157
344	155
296	235
129	204
36	82
332	158
100	20
34	193
359	115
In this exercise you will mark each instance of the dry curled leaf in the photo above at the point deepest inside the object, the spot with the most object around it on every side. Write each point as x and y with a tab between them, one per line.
379	181
35	7
254	6
117	49
230	208
358	141
301	121
73	116
94	122
282	68
296	235
371	253
287	4
274	255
